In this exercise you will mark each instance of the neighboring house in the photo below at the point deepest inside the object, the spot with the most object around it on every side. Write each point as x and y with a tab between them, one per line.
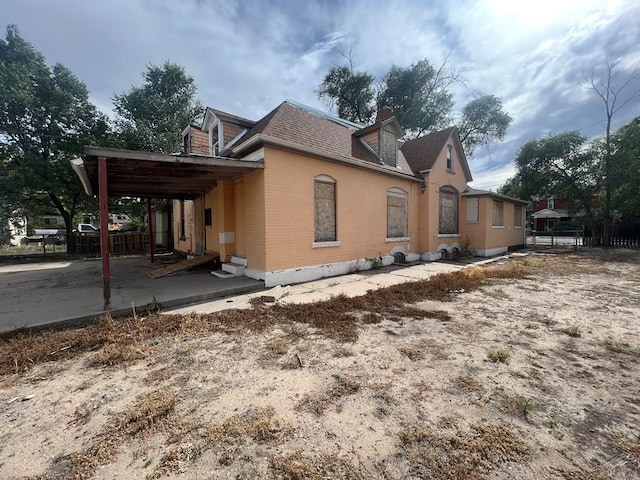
335	195
549	213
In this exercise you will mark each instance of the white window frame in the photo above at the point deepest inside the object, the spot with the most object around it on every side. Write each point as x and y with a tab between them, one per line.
449	158
551	204
326	243
517	219
216	148
470	218
493	216
398	193
449	189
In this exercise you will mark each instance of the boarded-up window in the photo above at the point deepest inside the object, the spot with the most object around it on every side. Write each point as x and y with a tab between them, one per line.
396	213
389	148
517	215
448	224
325	209
472	209
498	214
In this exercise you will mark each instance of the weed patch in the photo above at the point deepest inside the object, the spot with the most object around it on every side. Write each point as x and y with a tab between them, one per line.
465	455
297	465
499	355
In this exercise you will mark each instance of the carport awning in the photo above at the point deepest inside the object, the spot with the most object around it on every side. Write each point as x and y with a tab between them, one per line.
153	175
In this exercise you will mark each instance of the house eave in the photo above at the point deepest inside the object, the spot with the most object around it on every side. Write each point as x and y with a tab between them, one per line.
267	140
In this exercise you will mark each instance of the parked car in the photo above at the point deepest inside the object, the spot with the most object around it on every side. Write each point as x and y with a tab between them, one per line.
87	228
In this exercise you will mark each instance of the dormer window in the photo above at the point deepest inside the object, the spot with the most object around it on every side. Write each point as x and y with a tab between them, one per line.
389	148
214	138
449	158
186	143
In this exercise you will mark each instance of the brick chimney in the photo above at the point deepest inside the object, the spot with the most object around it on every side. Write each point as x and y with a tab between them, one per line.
384	113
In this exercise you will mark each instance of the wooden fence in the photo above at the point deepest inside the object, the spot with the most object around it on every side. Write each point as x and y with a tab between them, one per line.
119	243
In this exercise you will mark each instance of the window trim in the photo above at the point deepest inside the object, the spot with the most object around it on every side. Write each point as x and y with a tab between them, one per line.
381	147
398	193
497	202
551	204
326	179
449	158
449	189
466	210
516	217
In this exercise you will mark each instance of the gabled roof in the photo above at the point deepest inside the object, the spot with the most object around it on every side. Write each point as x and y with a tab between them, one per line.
212	112
548	213
422	152
474	192
297	125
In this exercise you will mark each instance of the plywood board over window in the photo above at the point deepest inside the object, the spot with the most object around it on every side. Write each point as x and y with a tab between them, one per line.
448	224
472	209
498	214
325	209
396	213
389	148
517	216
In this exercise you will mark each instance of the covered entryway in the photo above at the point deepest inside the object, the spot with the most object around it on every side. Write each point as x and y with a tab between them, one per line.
126	173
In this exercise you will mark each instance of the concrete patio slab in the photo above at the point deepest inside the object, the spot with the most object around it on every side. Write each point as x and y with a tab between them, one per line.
36	294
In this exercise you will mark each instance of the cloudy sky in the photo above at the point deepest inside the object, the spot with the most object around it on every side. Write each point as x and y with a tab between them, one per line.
249	56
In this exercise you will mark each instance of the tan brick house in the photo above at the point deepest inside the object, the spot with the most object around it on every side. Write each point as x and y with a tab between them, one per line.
335	196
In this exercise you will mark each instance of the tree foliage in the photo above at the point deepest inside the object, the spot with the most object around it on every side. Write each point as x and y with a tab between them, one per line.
152	116
351	92
46	119
625	170
420	97
483	122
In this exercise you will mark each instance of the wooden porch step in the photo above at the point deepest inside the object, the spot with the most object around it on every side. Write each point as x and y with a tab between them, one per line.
184	265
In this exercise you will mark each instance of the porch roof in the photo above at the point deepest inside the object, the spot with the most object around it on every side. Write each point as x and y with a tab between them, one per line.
154	175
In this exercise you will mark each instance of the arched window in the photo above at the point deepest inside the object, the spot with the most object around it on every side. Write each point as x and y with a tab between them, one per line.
324	197
448	224
397	213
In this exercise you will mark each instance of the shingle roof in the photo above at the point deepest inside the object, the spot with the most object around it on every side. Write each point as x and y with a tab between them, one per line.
294	123
422	152
470	192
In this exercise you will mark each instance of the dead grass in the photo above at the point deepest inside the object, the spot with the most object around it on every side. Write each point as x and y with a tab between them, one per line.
581	474
467	384
469	455
413	354
150	412
320	402
630	449
297	465
123	340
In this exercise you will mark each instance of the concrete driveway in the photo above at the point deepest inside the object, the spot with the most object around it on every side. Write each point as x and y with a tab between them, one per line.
34	294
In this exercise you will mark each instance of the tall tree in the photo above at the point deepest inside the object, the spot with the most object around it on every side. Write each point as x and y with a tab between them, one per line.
483	122
419	95
152	116
350	91
45	120
625	170
565	165
615	92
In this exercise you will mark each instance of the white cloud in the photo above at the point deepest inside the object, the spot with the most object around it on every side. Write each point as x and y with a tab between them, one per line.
247	57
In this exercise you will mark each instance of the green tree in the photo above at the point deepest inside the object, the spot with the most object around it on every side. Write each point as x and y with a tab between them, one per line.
483	122
46	119
625	169
419	95
565	165
152	116
350	91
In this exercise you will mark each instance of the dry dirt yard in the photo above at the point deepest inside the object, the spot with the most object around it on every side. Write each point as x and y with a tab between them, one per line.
528	369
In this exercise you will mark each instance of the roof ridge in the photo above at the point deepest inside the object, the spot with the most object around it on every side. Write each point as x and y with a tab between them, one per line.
325	115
